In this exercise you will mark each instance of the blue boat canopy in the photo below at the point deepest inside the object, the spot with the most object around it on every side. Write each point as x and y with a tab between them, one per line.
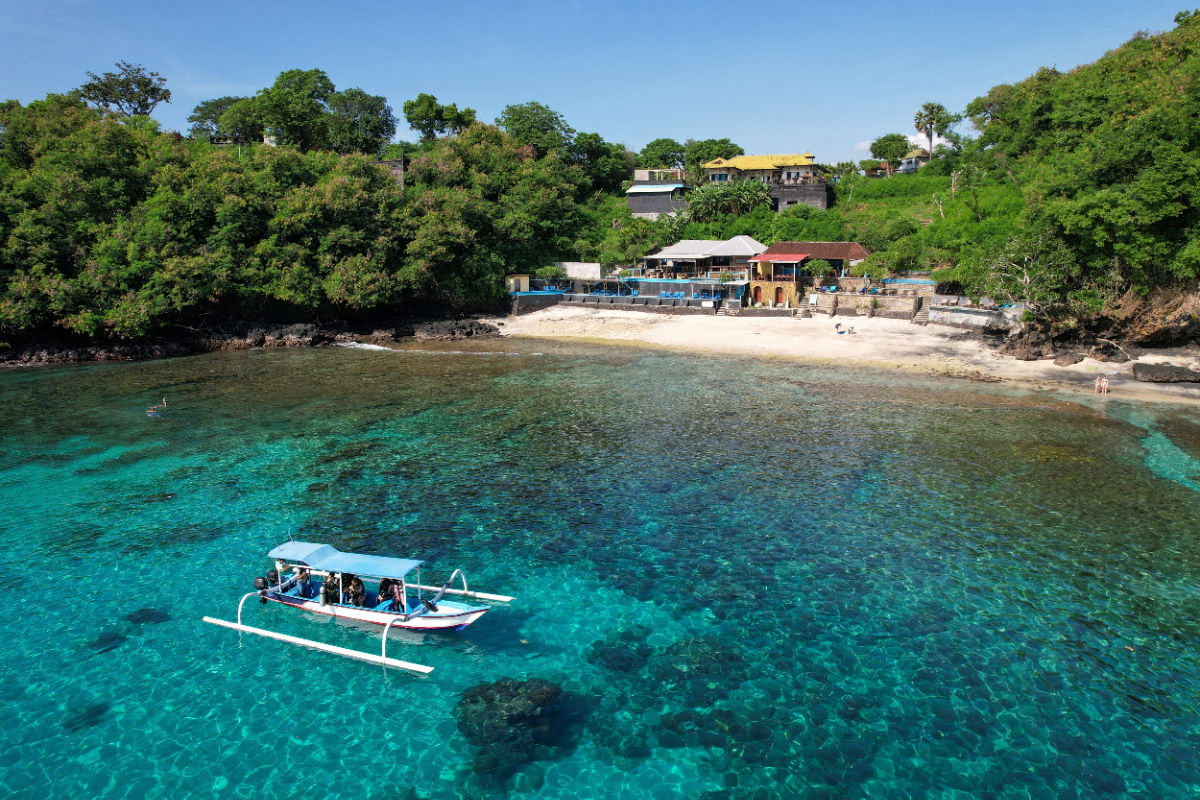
329	559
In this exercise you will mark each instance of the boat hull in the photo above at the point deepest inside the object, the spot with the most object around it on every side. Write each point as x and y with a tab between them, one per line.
450	615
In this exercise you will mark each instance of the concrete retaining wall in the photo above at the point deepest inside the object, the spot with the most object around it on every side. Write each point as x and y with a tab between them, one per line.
863	305
958	317
663	305
526	303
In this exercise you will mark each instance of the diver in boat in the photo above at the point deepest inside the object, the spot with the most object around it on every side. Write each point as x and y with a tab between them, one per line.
345	580
358	592
330	591
385	591
397	603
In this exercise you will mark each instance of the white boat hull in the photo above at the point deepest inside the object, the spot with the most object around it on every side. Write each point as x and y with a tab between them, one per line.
450	615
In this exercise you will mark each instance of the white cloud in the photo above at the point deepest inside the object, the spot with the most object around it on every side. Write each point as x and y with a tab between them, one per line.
862	147
922	141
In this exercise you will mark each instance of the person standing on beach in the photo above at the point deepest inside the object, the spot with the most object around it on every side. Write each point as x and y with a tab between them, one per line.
1099	378
1104	385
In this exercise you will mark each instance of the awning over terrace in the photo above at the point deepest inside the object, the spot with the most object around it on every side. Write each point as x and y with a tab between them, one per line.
780	258
661	188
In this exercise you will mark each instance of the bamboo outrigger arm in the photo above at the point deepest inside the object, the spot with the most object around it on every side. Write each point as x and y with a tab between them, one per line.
381	659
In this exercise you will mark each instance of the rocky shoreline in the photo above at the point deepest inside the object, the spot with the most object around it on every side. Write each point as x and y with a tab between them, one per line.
237	336
1030	345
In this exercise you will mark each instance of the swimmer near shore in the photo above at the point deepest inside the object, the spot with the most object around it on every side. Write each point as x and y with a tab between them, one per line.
153	410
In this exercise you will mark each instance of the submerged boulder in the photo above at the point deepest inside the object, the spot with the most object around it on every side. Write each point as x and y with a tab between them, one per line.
514	723
623	651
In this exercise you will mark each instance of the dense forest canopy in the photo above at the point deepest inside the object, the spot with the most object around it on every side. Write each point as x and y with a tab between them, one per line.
111	228
1076	188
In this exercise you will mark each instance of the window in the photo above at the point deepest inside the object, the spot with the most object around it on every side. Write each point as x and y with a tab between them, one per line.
720	176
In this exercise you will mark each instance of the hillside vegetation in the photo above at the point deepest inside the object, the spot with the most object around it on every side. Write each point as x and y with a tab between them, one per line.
108	227
1080	189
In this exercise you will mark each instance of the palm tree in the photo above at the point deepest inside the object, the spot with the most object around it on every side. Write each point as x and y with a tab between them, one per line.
748	195
932	118
735	197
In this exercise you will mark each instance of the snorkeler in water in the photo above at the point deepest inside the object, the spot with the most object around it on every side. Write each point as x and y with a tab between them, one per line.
152	411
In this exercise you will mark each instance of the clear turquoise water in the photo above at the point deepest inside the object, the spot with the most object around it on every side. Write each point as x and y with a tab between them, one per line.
752	580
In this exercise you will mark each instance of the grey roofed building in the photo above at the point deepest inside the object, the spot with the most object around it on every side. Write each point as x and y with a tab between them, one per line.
649	200
693	256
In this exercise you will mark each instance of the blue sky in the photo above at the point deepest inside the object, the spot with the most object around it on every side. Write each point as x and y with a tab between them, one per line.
776	77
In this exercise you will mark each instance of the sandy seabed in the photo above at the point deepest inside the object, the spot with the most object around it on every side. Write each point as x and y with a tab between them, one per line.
875	342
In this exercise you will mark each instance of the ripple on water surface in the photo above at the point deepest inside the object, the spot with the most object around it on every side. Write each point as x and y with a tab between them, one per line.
740	579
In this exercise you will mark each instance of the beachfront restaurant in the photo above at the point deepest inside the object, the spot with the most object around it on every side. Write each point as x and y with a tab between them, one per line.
782	276
707	258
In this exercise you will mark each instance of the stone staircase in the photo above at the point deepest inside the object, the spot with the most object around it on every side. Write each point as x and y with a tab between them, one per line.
729	309
921	317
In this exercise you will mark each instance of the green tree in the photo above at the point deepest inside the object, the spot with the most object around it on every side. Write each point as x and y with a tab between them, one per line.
359	122
131	91
627	239
206	117
662	154
244	121
606	165
712	200
430	118
480	206
294	108
818	267
698	152
537	126
1033	267
890	148
933	118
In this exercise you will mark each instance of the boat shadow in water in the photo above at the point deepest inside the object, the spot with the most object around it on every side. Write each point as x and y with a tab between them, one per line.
87	716
111	638
505	636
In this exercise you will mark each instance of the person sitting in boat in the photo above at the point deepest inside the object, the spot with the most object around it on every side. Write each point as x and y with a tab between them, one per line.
397	603
303	581
358	592
330	592
345	580
385	590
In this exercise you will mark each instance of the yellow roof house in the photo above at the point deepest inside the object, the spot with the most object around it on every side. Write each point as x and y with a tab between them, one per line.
755	163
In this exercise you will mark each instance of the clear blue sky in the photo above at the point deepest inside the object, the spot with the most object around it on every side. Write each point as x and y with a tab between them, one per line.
776	77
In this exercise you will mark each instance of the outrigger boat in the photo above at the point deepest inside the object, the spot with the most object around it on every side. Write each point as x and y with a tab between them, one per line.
343	593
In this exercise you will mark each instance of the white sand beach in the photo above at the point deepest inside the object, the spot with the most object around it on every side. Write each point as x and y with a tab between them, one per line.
876	342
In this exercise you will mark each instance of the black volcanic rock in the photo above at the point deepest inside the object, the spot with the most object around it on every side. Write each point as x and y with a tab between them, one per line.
454	329
1164	373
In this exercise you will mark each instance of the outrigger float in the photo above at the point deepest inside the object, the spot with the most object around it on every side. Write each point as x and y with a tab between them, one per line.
343	593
